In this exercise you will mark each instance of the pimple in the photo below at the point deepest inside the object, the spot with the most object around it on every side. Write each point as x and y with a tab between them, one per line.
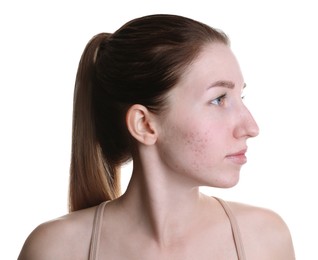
195	142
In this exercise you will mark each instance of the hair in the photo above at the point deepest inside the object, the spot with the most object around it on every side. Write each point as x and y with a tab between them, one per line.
138	64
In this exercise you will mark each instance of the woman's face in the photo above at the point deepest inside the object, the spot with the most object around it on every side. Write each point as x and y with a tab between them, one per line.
203	135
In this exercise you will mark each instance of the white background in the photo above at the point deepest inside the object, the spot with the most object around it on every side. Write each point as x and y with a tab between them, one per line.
41	42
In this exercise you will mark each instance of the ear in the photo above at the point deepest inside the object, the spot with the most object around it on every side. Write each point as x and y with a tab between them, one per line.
141	124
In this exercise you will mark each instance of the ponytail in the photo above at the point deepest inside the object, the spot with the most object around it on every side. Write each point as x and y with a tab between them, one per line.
93	178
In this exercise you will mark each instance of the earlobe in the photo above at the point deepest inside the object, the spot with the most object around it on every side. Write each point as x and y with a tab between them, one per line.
141	125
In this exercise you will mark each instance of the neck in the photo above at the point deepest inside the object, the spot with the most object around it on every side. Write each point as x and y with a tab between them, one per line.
162	205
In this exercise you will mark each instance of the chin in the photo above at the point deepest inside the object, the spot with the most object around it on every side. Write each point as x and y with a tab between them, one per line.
228	182
229	185
223	179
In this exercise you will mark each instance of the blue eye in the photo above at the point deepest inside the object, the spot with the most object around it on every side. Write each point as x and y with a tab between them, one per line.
219	101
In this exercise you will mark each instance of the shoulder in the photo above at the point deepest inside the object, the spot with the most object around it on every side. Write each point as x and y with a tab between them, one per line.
67	237
264	233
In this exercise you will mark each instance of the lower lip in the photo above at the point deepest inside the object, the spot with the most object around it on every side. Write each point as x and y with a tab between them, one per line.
238	159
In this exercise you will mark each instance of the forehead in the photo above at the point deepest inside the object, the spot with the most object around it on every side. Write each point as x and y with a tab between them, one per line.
216	62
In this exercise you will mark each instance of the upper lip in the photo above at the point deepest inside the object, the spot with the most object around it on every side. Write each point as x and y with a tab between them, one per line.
240	152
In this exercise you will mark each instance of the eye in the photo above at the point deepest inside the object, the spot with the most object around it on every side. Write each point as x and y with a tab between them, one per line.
219	101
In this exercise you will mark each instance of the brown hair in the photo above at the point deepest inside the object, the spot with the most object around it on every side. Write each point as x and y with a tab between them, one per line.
138	64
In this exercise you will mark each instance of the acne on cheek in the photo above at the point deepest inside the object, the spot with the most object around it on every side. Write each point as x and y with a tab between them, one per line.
196	143
195	150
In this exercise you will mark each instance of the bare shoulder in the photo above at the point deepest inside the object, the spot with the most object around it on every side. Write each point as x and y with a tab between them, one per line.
67	237
264	233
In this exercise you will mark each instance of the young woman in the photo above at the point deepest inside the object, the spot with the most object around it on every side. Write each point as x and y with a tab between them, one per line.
166	92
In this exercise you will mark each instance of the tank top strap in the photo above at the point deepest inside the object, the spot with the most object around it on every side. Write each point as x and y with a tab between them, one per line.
235	229
98	220
96	231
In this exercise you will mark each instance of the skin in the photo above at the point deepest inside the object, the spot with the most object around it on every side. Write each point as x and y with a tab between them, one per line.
200	140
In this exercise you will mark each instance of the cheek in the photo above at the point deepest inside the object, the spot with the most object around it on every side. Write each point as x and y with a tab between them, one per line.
191	146
198	147
180	147
196	143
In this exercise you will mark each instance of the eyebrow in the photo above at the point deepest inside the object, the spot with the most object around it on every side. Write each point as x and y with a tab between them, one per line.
223	83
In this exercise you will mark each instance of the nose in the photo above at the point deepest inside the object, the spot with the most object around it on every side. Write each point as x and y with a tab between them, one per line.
246	125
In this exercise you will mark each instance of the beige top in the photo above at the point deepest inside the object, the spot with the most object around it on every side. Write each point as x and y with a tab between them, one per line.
97	227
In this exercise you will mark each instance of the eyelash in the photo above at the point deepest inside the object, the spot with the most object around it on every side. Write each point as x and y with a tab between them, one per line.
220	100
217	101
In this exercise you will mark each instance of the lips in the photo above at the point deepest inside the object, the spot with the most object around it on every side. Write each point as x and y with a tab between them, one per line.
238	157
